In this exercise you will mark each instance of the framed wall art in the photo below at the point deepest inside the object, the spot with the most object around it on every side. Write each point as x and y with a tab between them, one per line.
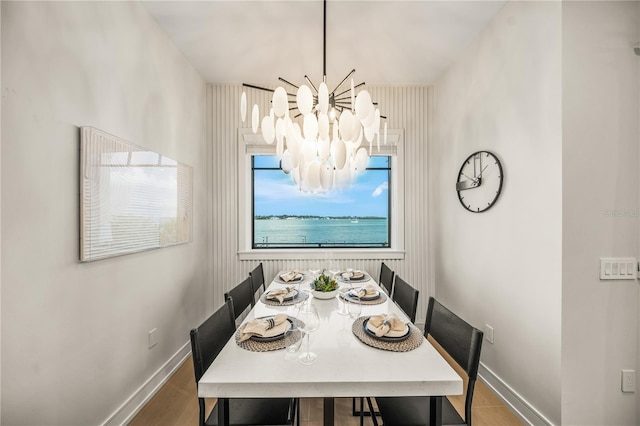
131	199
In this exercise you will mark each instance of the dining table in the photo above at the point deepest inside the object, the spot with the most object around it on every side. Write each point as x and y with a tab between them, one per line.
347	365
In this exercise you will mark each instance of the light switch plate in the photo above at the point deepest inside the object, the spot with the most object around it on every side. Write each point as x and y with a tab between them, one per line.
618	268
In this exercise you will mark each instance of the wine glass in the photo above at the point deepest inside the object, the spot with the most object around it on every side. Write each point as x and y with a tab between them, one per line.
343	299
355	307
293	340
308	314
314	268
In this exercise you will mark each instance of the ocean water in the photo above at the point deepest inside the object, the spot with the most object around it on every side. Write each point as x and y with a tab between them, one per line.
317	232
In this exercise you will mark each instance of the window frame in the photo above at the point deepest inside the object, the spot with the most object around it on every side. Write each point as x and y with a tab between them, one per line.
253	144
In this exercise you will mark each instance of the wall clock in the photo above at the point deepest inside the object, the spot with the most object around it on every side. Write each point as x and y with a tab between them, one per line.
479	181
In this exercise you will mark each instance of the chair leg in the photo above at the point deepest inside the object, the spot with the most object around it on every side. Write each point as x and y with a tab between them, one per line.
356	412
372	413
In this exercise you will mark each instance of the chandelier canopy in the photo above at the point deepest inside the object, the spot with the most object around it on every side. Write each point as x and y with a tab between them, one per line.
327	152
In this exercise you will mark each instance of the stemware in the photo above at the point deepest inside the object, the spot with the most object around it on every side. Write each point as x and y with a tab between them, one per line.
343	299
294	340
355	307
308	314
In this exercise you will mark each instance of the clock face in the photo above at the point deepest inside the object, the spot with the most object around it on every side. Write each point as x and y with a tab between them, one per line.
479	181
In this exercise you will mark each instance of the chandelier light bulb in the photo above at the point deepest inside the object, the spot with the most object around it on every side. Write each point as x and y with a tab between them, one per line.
243	106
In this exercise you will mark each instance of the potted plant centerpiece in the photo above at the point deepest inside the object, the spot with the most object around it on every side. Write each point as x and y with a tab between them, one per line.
324	287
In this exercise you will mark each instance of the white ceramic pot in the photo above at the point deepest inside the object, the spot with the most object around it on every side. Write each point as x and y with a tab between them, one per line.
324	295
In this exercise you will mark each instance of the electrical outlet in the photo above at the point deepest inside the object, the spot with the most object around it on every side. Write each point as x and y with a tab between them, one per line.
488	333
628	381
153	338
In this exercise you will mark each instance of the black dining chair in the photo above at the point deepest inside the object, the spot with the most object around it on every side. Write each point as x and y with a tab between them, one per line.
463	343
241	297
386	283
386	278
257	280
406	297
206	343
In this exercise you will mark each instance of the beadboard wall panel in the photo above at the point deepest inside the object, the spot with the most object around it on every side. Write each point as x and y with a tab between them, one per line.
406	108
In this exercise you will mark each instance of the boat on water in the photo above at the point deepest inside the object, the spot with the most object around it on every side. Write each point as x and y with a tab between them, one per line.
354	220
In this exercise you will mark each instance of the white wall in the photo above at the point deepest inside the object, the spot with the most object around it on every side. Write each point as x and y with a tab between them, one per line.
407	108
74	336
503	267
600	174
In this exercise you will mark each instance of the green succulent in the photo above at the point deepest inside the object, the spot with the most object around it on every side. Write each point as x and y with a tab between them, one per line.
324	283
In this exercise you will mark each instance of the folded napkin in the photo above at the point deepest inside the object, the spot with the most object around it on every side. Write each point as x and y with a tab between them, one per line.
280	294
368	290
265	327
387	325
354	275
289	276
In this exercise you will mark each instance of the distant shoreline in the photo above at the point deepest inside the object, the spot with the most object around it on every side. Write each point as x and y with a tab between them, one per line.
285	217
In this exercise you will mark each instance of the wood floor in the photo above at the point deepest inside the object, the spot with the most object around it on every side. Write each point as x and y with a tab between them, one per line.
176	404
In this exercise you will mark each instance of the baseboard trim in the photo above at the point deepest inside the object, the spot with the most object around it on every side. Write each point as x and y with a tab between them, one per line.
520	406
125	413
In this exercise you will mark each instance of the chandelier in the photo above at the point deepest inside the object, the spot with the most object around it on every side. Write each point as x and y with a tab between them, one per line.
329	150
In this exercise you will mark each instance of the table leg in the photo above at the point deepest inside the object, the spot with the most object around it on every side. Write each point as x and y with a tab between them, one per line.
223	411
435	411
328	411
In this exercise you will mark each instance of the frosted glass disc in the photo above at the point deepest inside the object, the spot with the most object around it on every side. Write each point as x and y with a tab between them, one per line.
362	158
280	101
286	164
326	176
385	133
323	126
324	149
304	99
268	130
370	118
340	153
369	133
243	106
363	104
279	149
346	125
310	127
280	131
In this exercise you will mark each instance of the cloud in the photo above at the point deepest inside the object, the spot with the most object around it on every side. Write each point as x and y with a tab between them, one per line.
376	192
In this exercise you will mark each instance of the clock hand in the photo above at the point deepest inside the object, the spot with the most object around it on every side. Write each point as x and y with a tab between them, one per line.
473	179
482	171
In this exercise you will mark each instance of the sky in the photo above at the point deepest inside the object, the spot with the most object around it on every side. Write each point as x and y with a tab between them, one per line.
275	193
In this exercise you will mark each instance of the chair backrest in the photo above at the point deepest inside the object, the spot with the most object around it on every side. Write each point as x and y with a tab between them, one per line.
460	340
241	297
210	337
406	297
257	278
386	278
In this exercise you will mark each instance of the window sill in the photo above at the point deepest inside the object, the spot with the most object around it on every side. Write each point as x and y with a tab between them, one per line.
285	254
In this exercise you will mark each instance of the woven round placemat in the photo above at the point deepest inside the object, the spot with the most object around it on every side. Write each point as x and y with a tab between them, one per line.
301	297
414	340
274	345
293	282
381	299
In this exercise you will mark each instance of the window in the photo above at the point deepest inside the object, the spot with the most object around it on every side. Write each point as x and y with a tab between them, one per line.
277	221
285	217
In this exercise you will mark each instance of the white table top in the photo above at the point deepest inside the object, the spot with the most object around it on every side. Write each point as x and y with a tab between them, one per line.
346	367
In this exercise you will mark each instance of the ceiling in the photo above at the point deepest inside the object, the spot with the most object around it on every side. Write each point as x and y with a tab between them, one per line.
388	42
